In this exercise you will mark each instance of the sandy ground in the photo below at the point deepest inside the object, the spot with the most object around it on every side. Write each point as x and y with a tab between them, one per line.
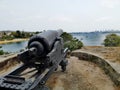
110	53
11	41
81	75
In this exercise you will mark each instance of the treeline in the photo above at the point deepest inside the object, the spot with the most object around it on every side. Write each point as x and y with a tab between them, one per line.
21	34
15	34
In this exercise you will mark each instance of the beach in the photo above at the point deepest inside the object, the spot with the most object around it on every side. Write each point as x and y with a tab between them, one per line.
14	40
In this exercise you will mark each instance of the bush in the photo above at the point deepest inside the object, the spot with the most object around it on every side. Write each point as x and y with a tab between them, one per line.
112	40
1	52
70	42
66	37
73	44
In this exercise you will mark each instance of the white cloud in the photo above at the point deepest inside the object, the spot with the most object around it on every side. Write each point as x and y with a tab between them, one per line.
61	19
102	19
110	3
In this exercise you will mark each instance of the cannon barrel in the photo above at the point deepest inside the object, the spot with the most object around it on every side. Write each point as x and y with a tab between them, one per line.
43	42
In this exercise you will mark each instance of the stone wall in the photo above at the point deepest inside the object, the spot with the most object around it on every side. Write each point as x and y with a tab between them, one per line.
109	70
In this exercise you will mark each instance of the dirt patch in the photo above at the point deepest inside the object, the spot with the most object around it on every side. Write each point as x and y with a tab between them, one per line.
81	75
110	53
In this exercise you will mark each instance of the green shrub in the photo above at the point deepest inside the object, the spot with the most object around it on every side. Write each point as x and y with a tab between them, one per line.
70	42
112	40
1	52
66	37
73	44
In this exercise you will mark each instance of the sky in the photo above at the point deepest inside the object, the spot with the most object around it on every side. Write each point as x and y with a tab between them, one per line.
69	15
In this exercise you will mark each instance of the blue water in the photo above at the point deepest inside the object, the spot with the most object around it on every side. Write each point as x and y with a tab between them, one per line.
14	47
92	39
88	39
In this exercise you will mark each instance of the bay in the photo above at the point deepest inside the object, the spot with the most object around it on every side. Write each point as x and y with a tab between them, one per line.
88	39
14	47
91	39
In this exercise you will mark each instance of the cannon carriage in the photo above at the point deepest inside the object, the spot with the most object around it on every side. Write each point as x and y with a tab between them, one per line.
44	54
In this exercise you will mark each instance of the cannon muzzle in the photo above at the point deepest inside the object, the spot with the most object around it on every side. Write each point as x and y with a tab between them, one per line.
43	42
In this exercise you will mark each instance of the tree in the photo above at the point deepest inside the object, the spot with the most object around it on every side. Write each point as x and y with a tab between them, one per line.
18	33
112	40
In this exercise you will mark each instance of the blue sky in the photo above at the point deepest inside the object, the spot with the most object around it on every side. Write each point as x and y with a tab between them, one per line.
69	15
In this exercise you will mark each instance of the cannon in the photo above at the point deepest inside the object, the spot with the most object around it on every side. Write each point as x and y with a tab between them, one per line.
44	54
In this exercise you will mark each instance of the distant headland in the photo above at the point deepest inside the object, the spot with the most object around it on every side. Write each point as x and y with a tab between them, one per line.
98	31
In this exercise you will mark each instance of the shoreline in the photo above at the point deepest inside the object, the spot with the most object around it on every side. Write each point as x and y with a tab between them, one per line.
14	40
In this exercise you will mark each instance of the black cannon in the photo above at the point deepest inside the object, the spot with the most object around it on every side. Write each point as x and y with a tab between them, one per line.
44	54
